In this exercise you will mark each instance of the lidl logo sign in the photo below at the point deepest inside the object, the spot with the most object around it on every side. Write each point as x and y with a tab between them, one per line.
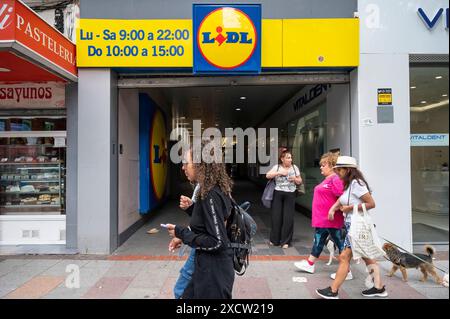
227	38
158	155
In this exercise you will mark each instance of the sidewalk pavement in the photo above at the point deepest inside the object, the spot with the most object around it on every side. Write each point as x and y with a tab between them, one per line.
111	277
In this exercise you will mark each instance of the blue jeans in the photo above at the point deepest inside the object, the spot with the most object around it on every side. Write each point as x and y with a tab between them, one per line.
185	275
321	236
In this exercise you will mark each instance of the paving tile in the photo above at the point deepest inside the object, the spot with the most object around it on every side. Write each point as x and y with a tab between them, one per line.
251	288
64	267
62	292
141	293
108	288
36	288
149	279
166	291
9	265
125	268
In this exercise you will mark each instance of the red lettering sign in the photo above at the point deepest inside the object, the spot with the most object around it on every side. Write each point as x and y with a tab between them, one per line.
51	94
19	23
6	20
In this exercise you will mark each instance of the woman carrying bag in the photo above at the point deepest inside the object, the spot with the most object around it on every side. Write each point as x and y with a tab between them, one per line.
287	178
355	199
325	195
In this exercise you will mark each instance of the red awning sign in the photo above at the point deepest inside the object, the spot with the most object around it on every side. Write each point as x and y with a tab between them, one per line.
24	32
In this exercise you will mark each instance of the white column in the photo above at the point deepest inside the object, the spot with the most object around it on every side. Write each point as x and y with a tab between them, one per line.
97	161
383	150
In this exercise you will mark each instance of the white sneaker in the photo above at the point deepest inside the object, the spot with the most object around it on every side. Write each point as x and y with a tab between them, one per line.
349	276
305	266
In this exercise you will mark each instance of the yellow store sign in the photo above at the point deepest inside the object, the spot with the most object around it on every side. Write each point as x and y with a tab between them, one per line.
134	43
286	43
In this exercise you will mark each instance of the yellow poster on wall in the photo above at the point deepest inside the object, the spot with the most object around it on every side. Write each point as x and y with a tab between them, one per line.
134	43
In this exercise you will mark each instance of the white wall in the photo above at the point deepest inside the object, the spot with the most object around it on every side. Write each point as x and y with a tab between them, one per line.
394	26
384	151
97	199
390	31
39	229
129	160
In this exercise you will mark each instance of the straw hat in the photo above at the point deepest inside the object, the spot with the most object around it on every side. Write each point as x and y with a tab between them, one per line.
346	161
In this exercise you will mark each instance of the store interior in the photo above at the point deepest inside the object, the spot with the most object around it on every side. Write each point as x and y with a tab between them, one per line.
32	164
307	133
429	162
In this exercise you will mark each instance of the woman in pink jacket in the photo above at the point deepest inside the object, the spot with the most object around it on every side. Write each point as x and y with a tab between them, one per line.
325	195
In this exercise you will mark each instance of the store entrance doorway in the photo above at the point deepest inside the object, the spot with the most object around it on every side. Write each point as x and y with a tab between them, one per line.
323	108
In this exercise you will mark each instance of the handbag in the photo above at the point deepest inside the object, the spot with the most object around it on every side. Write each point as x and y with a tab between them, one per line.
363	237
301	187
267	195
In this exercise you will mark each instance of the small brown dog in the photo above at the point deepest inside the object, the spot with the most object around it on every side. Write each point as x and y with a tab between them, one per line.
403	261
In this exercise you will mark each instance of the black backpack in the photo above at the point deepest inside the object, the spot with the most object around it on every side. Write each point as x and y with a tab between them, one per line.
240	229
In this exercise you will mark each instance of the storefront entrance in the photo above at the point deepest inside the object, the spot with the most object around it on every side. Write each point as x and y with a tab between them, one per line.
311	119
429	152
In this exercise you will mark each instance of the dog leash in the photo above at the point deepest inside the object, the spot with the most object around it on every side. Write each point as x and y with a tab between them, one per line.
417	257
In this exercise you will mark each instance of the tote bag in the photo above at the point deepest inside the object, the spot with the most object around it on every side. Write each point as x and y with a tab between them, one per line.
267	196
363	236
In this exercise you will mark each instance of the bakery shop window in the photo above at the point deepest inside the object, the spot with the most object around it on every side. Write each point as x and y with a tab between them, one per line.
32	165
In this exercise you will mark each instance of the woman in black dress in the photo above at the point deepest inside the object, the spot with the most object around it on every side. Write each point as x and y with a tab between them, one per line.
213	276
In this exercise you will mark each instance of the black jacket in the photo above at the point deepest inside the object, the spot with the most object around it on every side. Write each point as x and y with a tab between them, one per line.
207	225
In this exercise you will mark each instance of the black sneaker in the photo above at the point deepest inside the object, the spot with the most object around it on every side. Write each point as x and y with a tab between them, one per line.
327	293
374	292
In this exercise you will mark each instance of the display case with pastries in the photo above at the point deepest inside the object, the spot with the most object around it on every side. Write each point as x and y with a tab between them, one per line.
32	179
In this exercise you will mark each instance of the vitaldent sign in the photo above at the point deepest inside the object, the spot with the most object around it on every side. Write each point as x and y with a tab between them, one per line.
431	20
429	139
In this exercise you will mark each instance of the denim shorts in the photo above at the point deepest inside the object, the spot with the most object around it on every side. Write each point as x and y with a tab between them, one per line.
347	239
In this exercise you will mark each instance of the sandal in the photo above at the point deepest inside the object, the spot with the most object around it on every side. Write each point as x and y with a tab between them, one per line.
285	246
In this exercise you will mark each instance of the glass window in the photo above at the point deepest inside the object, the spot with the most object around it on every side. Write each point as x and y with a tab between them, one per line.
10	124
307	139
32	165
429	152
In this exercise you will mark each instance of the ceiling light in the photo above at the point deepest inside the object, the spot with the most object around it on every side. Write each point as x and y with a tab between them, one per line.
438	77
243	97
423	102
429	107
5	70
238	109
413	87
444	95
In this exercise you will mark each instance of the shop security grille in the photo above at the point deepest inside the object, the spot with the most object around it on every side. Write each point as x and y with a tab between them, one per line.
304	78
428	58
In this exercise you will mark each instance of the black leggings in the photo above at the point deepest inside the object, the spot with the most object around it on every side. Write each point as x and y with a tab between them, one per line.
283	206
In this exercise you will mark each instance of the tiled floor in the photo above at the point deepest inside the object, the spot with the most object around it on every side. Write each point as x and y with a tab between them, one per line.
155	280
141	243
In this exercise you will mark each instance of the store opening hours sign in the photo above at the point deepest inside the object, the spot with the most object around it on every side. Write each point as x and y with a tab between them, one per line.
134	43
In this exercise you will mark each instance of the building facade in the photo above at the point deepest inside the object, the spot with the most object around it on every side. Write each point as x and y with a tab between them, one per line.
367	78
